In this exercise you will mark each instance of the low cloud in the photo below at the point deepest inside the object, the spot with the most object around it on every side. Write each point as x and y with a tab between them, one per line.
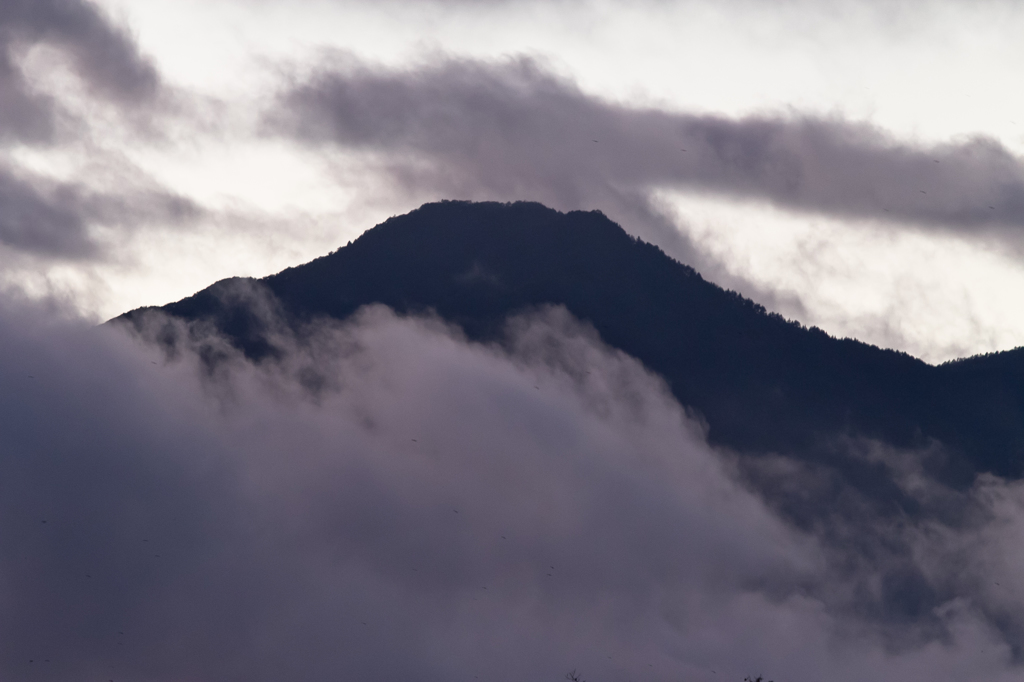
906	556
514	129
385	500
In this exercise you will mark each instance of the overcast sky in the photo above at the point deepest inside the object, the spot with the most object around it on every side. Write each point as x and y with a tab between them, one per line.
854	165
386	501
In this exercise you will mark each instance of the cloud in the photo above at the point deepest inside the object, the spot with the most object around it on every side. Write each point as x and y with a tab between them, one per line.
57	220
35	219
514	129
903	560
386	501
70	216
103	55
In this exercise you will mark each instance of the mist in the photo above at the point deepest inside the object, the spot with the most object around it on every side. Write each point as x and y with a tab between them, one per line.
386	500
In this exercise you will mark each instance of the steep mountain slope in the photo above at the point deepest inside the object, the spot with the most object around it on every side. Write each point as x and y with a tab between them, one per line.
763	384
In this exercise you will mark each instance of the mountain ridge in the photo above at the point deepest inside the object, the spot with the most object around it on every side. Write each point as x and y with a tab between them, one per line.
763	383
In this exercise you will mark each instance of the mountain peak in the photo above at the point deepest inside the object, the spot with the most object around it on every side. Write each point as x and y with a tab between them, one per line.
764	384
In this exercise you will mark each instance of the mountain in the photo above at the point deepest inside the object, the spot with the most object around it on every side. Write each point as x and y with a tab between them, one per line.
763	384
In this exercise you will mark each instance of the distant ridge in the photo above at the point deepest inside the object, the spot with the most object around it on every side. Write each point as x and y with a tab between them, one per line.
764	384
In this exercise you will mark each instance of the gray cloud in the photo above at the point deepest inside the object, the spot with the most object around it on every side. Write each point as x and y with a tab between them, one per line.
514	129
103	54
43	216
902	562
26	115
35	219
55	219
386	501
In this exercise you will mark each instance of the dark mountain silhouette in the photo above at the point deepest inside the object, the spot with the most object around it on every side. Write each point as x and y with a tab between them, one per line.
764	384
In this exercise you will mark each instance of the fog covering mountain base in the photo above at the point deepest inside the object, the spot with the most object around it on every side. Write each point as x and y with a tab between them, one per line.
384	500
762	383
278	494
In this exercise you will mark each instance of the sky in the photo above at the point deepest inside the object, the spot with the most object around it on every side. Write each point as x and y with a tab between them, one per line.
389	501
852	165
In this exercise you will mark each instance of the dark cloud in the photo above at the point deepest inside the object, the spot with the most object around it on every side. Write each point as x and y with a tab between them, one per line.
36	220
103	54
56	219
385	501
515	130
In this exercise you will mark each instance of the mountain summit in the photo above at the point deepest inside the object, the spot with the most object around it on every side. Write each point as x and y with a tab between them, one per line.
762	383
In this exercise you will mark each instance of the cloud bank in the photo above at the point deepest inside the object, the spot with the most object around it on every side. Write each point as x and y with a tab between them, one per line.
387	501
514	129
